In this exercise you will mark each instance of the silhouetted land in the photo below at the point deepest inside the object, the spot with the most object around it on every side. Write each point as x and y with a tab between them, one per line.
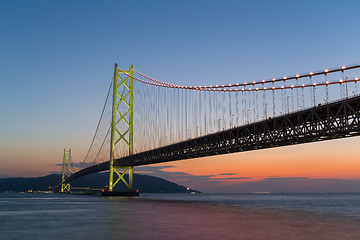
143	183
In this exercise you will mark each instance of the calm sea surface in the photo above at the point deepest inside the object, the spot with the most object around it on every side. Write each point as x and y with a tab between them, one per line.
180	216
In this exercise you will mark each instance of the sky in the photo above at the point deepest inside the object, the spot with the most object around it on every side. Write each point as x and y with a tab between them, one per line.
57	59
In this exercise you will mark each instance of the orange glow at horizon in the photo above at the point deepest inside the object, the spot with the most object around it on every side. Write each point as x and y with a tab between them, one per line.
330	159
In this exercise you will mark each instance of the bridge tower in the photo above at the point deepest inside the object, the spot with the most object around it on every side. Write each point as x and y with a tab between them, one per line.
65	187
121	128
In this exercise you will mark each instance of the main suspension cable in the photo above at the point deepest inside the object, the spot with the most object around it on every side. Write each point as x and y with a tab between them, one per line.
253	83
97	127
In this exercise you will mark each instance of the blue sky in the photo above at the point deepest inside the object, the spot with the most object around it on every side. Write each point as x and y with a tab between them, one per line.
57	58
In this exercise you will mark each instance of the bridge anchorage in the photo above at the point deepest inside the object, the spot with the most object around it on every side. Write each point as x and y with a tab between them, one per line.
174	122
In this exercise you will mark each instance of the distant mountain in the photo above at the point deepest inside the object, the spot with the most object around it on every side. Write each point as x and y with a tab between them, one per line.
143	183
24	184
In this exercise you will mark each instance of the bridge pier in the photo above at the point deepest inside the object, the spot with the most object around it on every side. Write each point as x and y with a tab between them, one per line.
121	171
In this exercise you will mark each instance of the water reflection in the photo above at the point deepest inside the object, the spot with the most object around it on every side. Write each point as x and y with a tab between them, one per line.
84	217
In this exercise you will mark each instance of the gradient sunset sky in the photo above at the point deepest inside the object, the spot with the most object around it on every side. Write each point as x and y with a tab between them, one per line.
57	59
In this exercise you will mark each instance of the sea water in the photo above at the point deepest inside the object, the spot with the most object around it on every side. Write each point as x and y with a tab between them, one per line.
180	216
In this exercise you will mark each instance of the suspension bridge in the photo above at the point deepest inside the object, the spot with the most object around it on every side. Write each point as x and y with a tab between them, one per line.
146	121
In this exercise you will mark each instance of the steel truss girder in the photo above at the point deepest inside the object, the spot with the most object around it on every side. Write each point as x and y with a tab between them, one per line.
335	120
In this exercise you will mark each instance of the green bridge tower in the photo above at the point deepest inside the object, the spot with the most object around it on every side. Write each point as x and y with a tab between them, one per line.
65	187
122	129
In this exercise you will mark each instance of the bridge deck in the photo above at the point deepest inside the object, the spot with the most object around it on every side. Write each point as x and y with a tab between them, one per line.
330	121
